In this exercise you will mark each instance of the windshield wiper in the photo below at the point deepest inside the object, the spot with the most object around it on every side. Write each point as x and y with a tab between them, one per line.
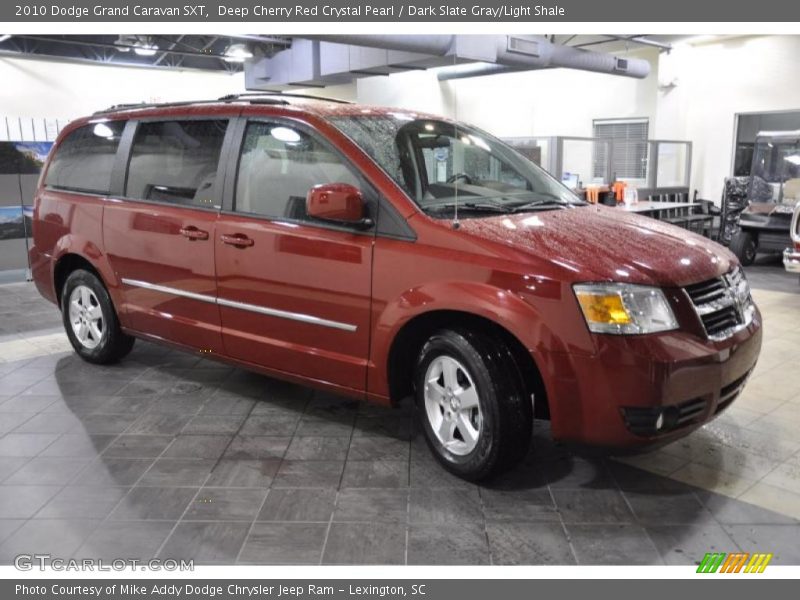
472	207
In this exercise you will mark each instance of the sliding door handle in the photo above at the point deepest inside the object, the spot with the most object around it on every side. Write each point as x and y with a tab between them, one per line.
238	240
193	233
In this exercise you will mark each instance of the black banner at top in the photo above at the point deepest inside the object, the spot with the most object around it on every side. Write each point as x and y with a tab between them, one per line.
399	11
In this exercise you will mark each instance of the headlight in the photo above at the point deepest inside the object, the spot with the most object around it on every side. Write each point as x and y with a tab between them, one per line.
623	308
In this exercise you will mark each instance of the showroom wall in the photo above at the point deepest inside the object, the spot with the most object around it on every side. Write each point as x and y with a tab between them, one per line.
63	90
692	94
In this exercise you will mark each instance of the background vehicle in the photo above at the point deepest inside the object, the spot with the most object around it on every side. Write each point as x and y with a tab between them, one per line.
791	256
383	254
773	191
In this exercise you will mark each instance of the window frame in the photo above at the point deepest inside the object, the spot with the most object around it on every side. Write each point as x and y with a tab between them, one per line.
375	203
86	192
645	141
119	179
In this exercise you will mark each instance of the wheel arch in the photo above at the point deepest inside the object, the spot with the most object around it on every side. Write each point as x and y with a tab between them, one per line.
409	339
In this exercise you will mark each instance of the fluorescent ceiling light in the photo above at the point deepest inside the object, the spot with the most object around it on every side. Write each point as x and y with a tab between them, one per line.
146	49
4	37
237	53
794	159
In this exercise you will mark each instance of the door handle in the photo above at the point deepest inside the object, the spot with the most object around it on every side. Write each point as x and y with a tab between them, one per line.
238	240
193	233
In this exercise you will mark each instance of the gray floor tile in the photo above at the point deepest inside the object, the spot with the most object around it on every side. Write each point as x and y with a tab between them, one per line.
735	512
156	423
170	472
301	504
113	471
9	526
317	427
25	444
309	473
624	544
529	544
668	509
284	543
214	424
254	447
444	506
27	404
395	427
12	420
24	501
227	406
48	471
318	448
427	473
82	503
58	537
519	505
206	543
375	505
279	425
687	544
49	423
780	540
378	448
375	473
450	544
592	506
137	446
365	544
198	446
153	503
129	539
78	445
105	424
253	473
226	504
11	464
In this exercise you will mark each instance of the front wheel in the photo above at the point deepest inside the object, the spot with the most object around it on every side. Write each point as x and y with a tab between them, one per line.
745	246
472	404
90	320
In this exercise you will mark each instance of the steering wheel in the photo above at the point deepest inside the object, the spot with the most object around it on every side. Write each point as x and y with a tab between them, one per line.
456	176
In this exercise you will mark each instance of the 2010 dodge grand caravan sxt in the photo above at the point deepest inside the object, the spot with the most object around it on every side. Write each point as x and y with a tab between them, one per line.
379	253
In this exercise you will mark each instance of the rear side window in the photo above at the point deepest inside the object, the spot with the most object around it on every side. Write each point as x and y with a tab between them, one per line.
84	160
176	162
279	165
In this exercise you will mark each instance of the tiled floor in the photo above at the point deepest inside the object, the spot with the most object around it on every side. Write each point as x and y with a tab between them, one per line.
169	455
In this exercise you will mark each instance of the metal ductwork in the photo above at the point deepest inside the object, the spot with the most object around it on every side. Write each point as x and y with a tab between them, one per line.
333	59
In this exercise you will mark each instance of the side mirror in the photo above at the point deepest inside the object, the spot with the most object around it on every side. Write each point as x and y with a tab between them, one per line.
337	202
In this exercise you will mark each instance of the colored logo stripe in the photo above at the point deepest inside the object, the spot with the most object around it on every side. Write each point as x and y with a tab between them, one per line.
722	562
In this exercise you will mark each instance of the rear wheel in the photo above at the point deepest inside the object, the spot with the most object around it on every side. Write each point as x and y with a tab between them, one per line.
90	320
745	246
472	404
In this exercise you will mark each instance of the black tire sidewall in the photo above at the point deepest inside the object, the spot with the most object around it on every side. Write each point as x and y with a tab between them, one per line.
745	247
108	347
484	455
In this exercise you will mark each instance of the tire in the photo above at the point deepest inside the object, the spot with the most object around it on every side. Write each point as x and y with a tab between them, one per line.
496	418
745	246
90	320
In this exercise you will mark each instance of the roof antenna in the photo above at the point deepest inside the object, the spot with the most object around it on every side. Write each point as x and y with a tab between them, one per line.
456	223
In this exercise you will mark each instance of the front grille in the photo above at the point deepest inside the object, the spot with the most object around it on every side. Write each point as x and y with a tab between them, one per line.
723	304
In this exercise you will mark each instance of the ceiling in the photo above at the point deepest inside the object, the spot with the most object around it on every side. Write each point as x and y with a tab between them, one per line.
213	52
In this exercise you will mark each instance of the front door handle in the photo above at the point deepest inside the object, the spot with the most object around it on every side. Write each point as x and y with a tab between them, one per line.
193	233
238	240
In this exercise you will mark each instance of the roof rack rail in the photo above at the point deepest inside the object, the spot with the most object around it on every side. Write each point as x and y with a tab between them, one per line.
138	105
278	94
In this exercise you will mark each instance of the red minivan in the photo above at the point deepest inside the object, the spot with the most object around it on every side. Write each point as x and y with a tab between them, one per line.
380	253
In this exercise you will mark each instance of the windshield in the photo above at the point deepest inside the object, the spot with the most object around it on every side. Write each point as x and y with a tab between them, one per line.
441	164
776	170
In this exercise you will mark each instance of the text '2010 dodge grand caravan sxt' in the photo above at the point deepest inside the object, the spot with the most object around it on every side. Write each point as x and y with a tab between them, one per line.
378	253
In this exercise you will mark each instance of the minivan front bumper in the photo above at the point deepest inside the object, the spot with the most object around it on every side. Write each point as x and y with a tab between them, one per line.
648	389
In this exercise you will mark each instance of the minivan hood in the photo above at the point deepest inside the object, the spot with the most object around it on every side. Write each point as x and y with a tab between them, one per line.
599	243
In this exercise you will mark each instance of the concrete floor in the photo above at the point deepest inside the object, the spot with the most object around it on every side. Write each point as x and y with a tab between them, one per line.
170	455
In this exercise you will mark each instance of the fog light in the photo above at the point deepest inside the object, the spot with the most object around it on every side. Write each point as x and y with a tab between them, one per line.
660	422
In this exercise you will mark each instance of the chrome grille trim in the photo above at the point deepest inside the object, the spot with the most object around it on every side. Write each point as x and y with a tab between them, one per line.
723	304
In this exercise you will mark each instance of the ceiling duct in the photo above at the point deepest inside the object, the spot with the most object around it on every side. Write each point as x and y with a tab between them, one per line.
332	59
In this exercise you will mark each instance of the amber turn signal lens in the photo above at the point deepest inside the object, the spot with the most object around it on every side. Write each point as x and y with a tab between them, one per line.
604	308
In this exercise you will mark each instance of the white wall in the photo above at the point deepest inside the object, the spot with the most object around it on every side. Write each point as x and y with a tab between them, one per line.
716	81
58	89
